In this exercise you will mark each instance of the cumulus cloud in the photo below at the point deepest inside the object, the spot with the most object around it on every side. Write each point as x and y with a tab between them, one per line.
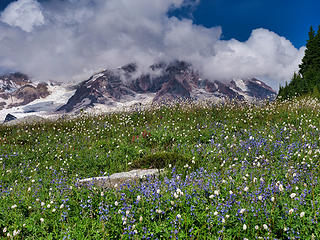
69	40
24	14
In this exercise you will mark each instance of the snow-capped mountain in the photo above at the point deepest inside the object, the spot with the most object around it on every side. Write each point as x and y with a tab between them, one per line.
11	82
27	98
164	82
17	90
117	89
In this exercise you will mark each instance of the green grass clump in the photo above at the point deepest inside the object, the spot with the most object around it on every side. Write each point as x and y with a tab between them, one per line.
161	160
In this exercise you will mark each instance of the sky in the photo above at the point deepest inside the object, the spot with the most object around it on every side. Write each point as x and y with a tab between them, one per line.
68	40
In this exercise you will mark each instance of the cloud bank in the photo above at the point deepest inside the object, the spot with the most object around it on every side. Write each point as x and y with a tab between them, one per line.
69	40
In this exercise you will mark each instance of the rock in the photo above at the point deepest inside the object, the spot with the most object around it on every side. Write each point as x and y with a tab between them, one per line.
115	180
9	118
25	120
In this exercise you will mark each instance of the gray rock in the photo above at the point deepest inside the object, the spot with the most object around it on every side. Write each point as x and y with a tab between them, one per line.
25	120
9	118
115	180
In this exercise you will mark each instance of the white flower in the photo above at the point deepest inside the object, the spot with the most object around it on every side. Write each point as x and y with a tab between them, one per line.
216	192
302	214
15	232
230	192
260	198
29	189
102	194
42	204
281	188
138	198
292	195
246	189
61	206
14	206
172	202
272	199
116	203
141	218
170	165
5	229
285	229
127	212
242	210
53	210
48	206
291	211
297	188
244	227
211	196
215	213
158	211
175	195
158	191
178	216
265	226
256	227
227	216
179	191
41	220
223	220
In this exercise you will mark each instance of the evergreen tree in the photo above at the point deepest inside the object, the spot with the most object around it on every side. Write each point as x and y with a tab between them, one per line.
307	81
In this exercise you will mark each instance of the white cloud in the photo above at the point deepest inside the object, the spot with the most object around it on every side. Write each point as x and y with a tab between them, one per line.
25	14
77	38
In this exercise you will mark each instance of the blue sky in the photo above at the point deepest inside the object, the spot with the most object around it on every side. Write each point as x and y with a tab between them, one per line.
289	18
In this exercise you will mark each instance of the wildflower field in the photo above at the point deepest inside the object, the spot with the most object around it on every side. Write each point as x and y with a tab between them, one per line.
232	171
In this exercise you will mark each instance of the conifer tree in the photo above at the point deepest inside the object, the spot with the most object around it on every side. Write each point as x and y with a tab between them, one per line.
307	81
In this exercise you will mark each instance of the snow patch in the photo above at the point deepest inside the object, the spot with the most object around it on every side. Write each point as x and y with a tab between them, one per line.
240	84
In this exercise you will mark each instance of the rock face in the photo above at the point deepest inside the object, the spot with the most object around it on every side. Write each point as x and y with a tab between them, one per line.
17	90
103	88
115	180
29	93
9	118
12	82
166	81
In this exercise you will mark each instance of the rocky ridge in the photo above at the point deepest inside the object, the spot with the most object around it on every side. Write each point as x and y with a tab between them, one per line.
177	80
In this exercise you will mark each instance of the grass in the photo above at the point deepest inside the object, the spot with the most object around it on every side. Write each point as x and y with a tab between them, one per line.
233	171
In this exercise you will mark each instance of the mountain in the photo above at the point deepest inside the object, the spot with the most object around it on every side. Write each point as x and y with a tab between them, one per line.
16	89
121	88
163	82
11	82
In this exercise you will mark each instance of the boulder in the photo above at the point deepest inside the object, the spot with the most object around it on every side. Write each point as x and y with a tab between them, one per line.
117	179
25	120
9	118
